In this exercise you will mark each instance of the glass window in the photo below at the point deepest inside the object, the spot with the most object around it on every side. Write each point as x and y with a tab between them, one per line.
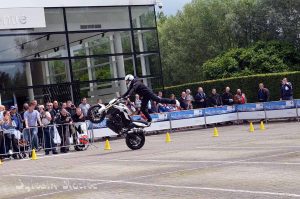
97	18
148	64
145	40
143	16
98	43
12	75
54	22
89	69
26	47
56	71
22	74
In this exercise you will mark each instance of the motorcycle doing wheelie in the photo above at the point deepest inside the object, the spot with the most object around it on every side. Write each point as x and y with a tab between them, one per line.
119	121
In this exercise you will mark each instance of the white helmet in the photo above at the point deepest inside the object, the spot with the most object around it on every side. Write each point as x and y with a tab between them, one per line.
129	78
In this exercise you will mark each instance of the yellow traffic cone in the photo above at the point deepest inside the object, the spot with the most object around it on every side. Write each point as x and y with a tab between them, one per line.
168	138
262	126
33	155
216	132
251	127
107	145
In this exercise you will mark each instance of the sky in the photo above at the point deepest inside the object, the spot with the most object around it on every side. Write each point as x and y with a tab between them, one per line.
171	6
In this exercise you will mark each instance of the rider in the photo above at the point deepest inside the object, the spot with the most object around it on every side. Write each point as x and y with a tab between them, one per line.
137	87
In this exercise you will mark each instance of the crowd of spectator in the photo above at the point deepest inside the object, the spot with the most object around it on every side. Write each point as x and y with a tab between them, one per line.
34	125
187	101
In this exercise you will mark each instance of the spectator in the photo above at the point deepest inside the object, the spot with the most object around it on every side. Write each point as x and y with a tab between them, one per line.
286	90
137	104
130	106
11	135
99	101
160	94
78	116
32	118
16	117
48	130
25	108
84	106
215	99
35	103
49	106
240	98
189	99
159	106
64	121
55	110
263	93
183	102
200	98
174	107
227	97
64	105
152	107
71	107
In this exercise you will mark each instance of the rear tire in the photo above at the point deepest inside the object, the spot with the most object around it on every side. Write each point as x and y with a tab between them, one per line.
135	141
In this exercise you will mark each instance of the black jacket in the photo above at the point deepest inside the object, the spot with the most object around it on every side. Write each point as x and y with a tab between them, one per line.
286	91
198	98
227	99
263	95
60	119
137	87
215	100
183	103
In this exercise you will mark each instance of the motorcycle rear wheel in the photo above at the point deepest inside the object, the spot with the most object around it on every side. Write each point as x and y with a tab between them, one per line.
135	141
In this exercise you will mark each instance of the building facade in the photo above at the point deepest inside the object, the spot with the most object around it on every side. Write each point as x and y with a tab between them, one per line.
65	50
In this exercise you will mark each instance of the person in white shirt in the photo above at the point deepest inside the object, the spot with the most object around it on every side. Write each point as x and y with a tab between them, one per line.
84	106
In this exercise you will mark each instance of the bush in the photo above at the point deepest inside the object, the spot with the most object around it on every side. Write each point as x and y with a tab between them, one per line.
261	57
248	84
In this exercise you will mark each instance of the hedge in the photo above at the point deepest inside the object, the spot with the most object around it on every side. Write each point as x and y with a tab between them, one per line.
248	84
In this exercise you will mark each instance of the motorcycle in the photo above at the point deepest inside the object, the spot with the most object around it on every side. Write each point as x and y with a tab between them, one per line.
119	121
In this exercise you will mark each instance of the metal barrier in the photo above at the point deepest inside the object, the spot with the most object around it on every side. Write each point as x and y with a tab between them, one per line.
16	144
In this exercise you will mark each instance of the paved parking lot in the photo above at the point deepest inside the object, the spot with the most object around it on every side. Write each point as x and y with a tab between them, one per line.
237	164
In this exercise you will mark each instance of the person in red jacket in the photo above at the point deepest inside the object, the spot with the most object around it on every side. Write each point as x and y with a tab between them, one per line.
240	98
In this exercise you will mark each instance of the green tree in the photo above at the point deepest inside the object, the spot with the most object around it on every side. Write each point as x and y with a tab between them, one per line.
208	28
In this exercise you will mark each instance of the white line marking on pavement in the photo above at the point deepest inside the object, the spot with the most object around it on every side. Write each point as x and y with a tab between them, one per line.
210	166
204	161
241	147
167	186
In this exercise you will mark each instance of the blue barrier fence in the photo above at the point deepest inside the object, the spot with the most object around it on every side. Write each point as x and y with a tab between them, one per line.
217	111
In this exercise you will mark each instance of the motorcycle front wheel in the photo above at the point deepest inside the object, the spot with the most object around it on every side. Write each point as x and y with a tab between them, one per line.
93	114
135	141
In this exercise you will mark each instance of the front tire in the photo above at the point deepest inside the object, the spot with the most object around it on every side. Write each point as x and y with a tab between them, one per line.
93	114
135	141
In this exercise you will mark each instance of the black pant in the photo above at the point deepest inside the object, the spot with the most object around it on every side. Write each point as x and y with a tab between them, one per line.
64	133
153	97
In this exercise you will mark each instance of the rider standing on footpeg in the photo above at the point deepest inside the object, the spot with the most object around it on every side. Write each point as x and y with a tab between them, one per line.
137	87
